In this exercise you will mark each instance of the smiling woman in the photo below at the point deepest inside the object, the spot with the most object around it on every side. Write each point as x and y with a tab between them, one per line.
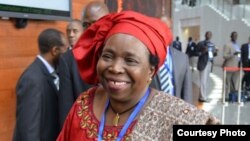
125	49
123	67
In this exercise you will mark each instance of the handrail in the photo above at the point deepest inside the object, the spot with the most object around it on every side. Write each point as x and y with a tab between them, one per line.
235	69
229	8
228	69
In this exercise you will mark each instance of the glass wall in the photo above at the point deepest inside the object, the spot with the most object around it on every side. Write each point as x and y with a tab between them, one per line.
232	9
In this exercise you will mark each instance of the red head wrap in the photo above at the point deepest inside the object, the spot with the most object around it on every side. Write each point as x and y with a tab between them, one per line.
151	31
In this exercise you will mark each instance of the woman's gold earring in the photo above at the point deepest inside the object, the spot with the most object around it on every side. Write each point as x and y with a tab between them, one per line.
149	80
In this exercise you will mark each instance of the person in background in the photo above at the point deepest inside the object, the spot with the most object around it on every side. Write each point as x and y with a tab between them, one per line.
180	82
124	58
206	52
94	11
37	91
231	55
191	51
192	3
73	31
71	83
177	44
174	77
245	59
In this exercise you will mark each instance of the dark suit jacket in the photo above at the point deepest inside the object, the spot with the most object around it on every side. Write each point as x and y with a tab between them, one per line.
37	105
191	49
203	55
177	45
245	64
182	76
244	55
71	84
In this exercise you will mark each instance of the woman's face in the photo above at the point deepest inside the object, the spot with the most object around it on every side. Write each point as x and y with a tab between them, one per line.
123	68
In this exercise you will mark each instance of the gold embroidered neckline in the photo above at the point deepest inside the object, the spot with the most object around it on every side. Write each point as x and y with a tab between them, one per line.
89	122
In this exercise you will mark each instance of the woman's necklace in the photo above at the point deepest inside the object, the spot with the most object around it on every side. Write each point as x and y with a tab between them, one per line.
131	118
117	116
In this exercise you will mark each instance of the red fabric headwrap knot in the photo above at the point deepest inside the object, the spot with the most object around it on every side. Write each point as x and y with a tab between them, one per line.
151	31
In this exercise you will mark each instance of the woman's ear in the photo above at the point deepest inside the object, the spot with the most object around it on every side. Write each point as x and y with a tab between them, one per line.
152	71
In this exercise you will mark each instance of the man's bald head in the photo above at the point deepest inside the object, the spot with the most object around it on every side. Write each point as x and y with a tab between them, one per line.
93	12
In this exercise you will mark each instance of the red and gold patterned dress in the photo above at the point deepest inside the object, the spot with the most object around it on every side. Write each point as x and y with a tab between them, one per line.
82	125
154	122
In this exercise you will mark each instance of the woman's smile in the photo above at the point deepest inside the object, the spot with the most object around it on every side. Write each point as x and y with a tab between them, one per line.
116	85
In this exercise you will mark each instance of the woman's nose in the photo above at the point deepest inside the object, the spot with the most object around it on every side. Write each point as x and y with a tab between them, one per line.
117	67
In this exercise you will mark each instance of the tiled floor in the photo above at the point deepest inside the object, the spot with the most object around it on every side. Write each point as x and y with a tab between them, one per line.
228	113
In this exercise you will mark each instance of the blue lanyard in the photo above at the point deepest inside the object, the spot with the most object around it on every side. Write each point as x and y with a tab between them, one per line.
128	122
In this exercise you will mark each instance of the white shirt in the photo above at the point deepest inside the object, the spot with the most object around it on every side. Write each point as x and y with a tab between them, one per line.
51	70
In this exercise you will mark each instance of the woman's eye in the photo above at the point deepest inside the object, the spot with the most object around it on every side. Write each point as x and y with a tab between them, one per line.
131	60
106	56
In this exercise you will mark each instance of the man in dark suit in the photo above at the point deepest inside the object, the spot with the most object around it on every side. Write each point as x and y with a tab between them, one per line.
191	51
71	83
206	52
182	81
37	103
245	59
177	44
